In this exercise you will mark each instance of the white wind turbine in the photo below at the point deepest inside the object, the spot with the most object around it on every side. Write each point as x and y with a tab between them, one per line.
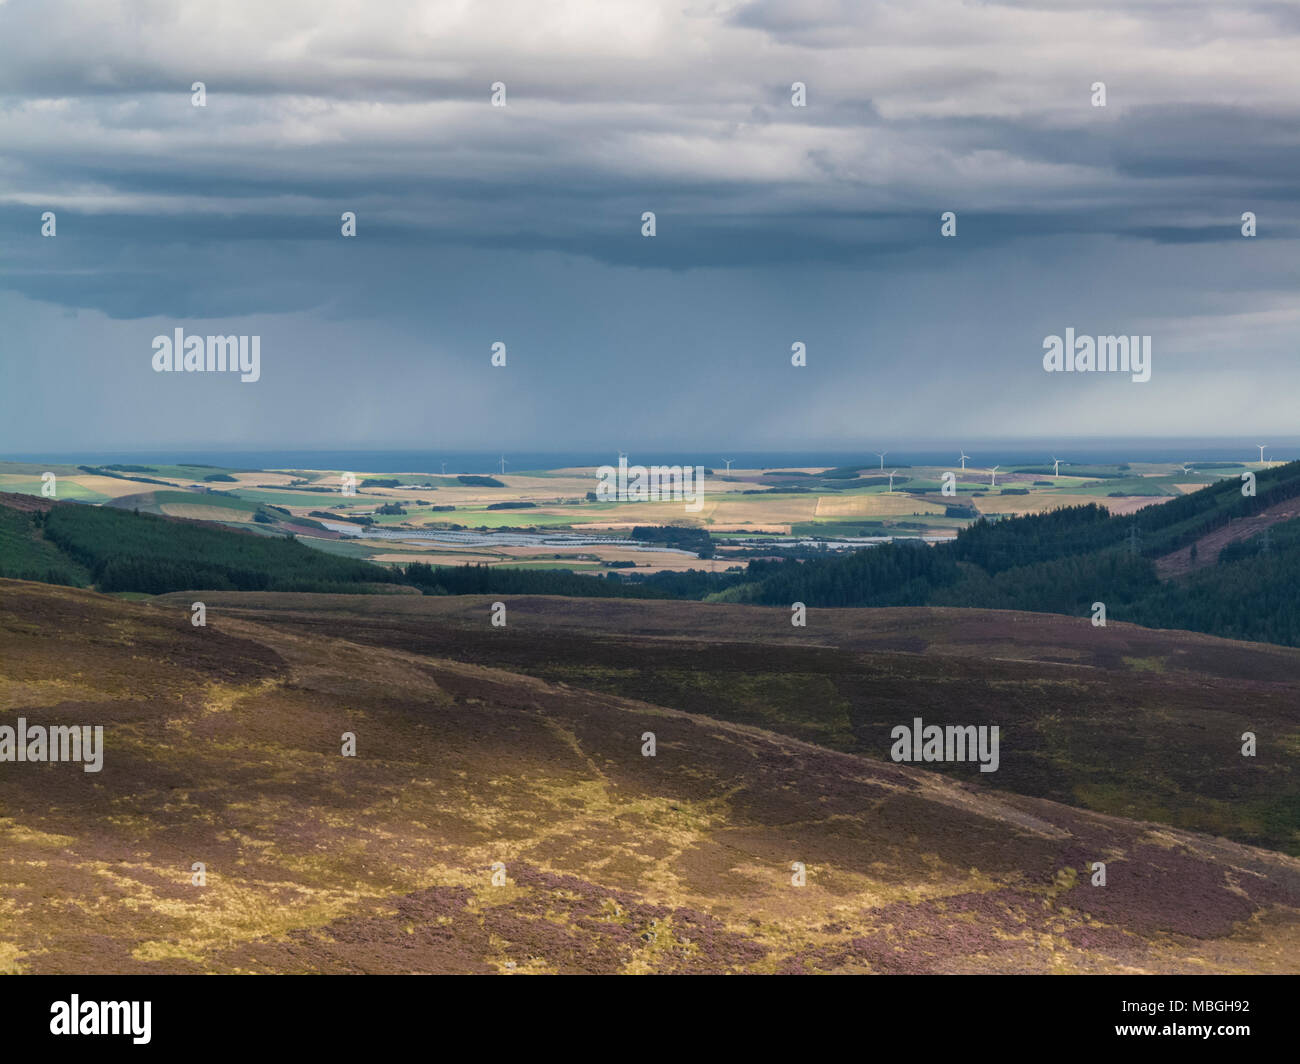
1056	466
891	481
1261	447
993	482
503	465
1188	470
964	456
882	458
728	461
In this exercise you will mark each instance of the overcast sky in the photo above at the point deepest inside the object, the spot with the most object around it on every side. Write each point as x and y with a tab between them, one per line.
522	223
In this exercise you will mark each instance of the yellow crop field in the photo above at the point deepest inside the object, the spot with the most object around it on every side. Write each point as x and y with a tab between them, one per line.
1031	504
881	504
205	513
107	486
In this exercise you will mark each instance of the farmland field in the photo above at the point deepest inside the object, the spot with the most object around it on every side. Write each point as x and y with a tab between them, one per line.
742	502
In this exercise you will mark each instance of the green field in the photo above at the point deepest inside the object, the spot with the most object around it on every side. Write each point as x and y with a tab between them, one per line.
314	500
194	498
66	488
188	472
472	518
35	469
343	548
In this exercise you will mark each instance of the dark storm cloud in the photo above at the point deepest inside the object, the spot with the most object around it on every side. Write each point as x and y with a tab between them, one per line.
476	222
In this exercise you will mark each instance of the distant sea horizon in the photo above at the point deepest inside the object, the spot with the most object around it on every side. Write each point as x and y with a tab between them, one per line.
981	454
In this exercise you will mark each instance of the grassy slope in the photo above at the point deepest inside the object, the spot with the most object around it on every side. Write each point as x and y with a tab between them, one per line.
25	553
124	551
222	747
1122	720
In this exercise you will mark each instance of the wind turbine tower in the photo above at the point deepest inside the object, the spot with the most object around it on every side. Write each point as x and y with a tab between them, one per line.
882	458
964	456
993	482
1261	447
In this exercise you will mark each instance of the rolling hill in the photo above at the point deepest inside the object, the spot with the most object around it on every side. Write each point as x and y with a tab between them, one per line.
223	747
1124	720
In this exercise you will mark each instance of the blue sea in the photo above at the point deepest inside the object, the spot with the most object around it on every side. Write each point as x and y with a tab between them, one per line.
982	454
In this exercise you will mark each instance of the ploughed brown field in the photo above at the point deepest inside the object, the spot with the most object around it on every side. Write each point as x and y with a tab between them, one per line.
522	745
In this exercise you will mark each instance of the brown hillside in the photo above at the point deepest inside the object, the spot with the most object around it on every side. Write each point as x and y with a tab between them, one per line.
223	747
